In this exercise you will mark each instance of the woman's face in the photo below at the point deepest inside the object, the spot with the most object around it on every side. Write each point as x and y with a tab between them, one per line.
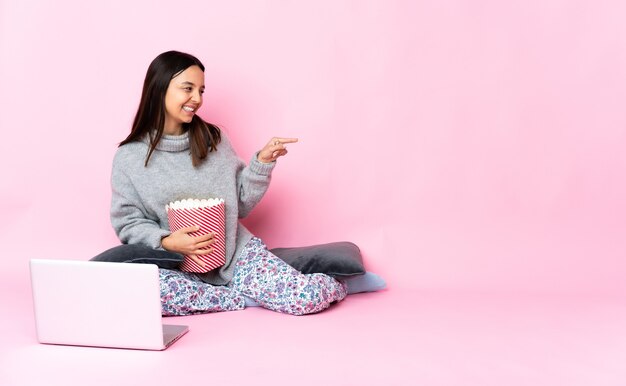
182	99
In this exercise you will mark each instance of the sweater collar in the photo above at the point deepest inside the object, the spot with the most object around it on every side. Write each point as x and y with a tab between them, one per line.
172	143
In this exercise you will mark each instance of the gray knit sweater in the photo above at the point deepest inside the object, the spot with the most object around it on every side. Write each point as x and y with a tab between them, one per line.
140	193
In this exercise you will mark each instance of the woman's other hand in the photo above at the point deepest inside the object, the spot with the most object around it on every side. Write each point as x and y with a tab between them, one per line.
275	148
182	242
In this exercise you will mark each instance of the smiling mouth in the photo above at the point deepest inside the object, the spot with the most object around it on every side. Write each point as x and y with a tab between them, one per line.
189	109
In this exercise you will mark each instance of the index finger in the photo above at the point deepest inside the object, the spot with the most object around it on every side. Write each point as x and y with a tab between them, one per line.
286	140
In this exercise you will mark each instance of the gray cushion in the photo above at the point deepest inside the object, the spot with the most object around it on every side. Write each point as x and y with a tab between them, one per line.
136	253
338	259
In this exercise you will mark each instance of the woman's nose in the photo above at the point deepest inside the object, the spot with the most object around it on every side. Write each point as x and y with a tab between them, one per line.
197	97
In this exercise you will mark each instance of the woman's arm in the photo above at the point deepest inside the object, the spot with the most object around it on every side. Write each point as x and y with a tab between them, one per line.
132	225
254	179
252	183
129	218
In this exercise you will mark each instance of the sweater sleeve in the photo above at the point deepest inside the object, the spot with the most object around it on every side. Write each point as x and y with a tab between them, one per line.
252	181
130	219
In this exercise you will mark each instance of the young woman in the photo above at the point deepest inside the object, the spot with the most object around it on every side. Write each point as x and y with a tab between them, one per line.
173	154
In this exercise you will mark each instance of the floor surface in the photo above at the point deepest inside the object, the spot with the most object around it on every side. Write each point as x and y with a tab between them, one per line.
393	337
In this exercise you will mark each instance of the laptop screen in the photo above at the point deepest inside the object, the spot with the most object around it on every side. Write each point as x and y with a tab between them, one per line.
100	304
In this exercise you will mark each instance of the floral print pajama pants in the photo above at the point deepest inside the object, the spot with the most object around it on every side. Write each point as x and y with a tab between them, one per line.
259	275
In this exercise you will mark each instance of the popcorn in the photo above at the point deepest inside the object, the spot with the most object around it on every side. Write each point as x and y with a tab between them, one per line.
210	215
191	203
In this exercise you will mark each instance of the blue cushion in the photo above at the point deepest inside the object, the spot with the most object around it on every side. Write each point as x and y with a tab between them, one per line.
369	282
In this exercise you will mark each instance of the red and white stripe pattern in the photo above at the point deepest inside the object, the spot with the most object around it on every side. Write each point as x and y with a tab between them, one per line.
210	219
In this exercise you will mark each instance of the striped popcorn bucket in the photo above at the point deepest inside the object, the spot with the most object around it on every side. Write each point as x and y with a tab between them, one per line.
210	216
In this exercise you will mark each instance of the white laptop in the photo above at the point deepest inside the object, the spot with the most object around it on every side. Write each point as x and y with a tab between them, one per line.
91	303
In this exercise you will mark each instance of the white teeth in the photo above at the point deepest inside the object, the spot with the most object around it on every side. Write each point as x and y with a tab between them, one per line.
187	108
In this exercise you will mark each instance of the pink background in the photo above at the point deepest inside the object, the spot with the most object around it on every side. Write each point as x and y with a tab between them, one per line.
473	146
463	145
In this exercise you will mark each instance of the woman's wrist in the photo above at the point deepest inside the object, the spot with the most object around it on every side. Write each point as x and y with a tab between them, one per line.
260	167
165	240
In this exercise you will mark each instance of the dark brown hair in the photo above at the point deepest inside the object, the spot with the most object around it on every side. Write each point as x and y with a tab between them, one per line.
150	117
